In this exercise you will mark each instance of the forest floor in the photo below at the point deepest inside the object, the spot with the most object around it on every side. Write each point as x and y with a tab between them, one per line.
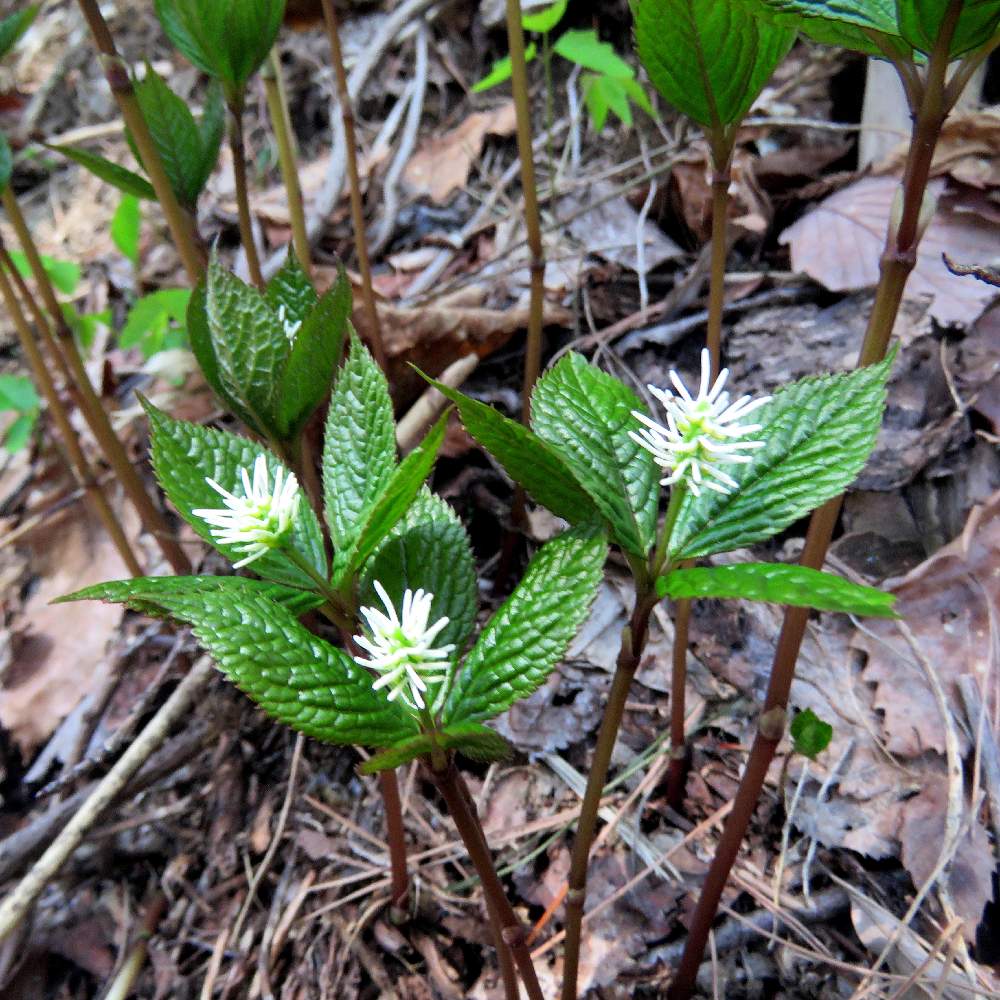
261	871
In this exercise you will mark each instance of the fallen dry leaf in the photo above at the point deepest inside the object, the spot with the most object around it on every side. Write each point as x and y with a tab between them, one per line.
970	874
968	150
611	229
948	602
434	335
840	241
59	655
442	164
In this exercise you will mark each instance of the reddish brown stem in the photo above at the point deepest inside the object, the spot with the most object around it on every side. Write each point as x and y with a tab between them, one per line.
897	263
354	180
678	768
61	347
396	836
237	147
532	215
78	461
463	812
180	222
633	642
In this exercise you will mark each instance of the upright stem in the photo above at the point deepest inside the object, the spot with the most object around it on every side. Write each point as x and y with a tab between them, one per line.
459	803
281	122
67	357
722	153
237	146
396	836
633	642
897	263
532	217
181	224
80	466
354	179
721	144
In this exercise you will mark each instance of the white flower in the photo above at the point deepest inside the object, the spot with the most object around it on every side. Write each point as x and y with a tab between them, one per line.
702	432
401	648
259	520
291	327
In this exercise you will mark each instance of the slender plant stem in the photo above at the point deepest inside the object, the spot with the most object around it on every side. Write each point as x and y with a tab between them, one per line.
396	837
78	461
722	153
463	812
64	350
354	179
677	769
721	145
532	217
237	146
281	122
629	654
180	222
897	263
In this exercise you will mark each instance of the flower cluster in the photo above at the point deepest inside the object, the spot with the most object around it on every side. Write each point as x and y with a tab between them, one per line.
702	432
290	327
401	648
261	518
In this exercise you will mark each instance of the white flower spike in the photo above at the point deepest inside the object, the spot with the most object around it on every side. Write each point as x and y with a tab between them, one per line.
702	432
261	518
291	327
401	648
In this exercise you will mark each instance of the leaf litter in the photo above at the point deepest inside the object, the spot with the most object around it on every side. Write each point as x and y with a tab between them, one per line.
879	790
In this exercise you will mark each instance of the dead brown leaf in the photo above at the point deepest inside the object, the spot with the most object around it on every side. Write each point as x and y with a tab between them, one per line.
968	150
441	165
840	241
59	649
949	601
970	873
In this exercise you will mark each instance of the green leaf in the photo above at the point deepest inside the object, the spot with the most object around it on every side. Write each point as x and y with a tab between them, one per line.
530	632
151	317
6	162
175	135
920	24
152	594
15	25
709	59
85	325
185	455
849	24
584	48
64	274
585	415
228	39
777	583
501	69
818	434
359	449
17	392
527	459
296	677
19	432
126	224
200	336
391	504
810	734
602	94
475	741
290	289
210	131
428	549
544	20
315	355
127	181
249	345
